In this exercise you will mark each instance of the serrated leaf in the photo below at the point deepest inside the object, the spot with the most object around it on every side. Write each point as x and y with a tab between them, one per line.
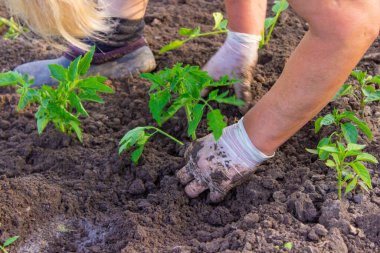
375	79
197	116
85	62
365	157
372	97
351	185
77	104
78	131
350	132
9	78
215	122
58	72
42	120
73	69
90	95
171	46
213	94
359	75
230	100
362	172
9	241
92	83
157	103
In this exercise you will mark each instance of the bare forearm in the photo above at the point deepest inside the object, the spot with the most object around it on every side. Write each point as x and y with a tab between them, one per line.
312	76
246	16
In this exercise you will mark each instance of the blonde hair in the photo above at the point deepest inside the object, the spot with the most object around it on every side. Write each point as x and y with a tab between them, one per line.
70	19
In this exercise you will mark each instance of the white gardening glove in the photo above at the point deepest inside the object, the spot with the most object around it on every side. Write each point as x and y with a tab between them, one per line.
220	166
236	58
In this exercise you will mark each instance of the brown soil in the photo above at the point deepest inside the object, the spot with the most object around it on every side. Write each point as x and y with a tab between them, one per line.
62	196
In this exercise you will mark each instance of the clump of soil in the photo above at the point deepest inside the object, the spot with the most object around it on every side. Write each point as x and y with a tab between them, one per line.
62	196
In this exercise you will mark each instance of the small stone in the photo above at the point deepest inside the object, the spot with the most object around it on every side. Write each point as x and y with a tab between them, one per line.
358	198
267	223
320	230
156	22
250	220
376	200
353	230
137	187
279	196
312	235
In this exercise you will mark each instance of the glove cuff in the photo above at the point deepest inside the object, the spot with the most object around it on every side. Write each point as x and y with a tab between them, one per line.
244	38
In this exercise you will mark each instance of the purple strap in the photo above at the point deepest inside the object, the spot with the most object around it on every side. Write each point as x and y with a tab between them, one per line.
100	58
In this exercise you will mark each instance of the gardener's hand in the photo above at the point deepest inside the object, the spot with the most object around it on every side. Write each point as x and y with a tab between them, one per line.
220	166
237	59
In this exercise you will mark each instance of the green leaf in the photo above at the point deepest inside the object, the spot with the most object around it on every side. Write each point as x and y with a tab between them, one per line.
131	138
77	104
77	130
351	185
269	22
42	120
185	31
9	241
329	149
328	120
363	186
348	176
85	62
178	104
288	245
346	89
353	146
362	125
330	163
73	69
157	103
92	83
372	97
375	79
216	124
197	116
9	78
318	125
280	6
136	154
312	151
350	132
220	24
359	75
230	100
171	46
365	157
90	95
323	155
362	172
58	72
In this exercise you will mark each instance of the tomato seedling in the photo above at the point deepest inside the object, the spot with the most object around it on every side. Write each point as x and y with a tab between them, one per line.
176	88
367	88
181	87
7	243
346	155
270	22
14	29
62	105
137	138
220	26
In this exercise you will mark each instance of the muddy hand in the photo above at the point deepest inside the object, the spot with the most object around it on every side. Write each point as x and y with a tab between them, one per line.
220	166
237	59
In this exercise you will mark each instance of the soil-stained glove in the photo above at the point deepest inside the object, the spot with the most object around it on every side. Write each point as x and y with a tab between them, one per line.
220	166
237	59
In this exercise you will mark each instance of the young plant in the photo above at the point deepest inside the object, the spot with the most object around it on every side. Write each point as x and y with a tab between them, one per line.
14	28
181	87
220	26
176	88
346	156
7	243
270	22
137	138
367	86
62	105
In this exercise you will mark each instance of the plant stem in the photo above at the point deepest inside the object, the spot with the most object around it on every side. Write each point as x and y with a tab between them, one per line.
166	134
274	23
3	249
340	182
